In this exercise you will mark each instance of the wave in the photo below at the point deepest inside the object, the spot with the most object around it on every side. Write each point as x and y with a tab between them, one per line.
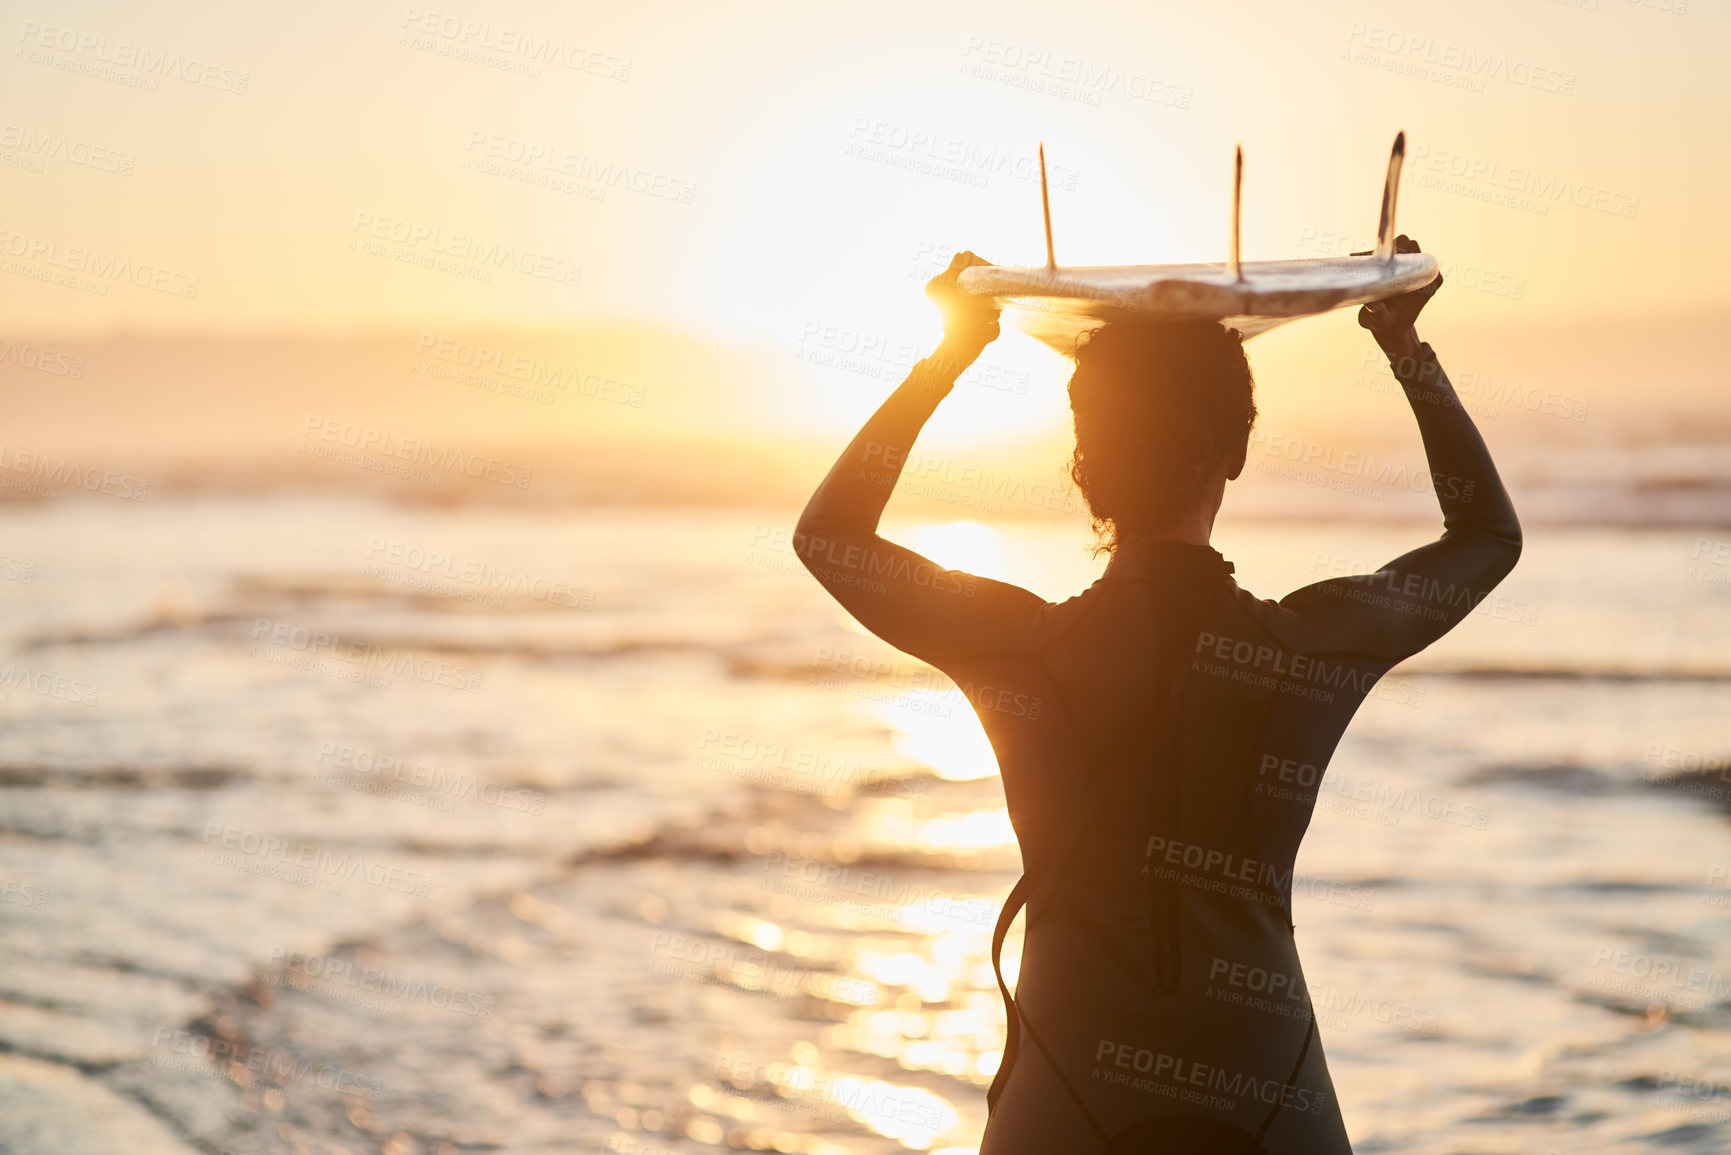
1574	779
121	777
744	658
1564	777
1569	674
236	626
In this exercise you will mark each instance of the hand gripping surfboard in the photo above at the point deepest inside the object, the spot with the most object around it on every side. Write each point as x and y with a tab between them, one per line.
1056	303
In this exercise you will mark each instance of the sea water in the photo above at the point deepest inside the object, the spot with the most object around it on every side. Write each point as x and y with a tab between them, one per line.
337	826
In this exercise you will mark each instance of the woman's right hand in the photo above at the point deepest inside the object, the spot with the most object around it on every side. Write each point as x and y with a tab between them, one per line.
970	320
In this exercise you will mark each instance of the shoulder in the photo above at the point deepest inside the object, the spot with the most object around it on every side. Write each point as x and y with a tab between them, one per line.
1280	621
1053	621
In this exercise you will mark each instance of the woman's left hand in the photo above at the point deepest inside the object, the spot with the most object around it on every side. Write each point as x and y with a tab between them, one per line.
1391	322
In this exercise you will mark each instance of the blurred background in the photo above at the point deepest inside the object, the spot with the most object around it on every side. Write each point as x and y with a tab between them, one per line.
417	734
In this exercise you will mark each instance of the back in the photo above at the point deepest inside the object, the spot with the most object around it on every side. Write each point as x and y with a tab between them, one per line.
1160	791
1161	739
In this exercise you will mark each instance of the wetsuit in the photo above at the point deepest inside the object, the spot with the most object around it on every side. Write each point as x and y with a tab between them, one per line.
1162	738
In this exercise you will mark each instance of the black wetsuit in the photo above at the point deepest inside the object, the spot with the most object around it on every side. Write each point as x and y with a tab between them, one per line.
1182	726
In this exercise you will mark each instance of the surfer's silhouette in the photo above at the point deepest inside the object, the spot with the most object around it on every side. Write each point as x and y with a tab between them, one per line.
1162	735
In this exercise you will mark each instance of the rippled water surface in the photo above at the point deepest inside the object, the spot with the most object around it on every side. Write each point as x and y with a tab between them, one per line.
330	826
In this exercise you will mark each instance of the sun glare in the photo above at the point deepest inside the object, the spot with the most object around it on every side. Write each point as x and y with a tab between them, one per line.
965	545
952	743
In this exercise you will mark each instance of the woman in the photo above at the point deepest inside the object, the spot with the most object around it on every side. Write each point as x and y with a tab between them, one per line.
1160	793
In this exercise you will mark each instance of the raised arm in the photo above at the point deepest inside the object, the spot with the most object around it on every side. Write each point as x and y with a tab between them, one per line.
906	599
1418	597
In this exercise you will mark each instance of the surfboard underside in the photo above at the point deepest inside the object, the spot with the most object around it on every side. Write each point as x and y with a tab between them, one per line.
1058	305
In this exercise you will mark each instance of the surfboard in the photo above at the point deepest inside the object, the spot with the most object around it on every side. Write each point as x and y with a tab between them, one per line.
1056	303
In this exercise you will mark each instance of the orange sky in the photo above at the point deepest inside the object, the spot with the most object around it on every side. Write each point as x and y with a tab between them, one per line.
785	175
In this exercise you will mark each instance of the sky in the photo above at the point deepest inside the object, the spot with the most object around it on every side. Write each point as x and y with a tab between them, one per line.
784	176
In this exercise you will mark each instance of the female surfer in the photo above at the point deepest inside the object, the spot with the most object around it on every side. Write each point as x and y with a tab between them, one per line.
1160	793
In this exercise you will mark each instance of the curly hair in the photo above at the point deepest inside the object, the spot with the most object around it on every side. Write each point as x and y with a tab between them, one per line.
1159	406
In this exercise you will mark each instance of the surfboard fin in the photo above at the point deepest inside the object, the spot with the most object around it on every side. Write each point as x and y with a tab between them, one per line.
1232	268
1390	189
1046	208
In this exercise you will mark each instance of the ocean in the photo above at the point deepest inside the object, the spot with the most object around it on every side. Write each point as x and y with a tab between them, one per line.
340	825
